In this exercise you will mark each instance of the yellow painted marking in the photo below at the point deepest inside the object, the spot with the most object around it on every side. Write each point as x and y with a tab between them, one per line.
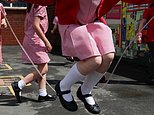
11	90
7	67
8	82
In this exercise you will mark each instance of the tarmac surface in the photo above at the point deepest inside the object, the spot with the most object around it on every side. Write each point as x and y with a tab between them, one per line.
123	95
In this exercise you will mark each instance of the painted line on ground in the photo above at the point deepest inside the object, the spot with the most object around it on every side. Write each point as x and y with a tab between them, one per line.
10	79
7	67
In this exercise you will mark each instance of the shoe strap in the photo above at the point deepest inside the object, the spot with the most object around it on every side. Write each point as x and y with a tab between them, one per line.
64	92
87	95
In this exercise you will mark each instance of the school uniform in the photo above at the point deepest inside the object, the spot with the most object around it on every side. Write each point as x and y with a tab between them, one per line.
89	37
33	45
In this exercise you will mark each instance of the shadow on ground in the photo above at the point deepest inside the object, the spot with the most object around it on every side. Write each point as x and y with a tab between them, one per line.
140	69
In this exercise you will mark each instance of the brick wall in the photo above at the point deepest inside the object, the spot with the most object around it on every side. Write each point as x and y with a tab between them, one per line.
16	19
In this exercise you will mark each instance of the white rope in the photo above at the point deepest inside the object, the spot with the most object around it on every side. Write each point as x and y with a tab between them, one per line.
25	51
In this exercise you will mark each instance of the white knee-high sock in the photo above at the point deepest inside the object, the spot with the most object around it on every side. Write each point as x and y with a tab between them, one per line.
21	84
91	80
72	77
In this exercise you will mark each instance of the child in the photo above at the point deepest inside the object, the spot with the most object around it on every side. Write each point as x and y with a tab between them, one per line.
149	37
3	25
36	45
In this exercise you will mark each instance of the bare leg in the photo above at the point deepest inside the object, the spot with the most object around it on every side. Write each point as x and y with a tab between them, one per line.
43	68
89	65
106	62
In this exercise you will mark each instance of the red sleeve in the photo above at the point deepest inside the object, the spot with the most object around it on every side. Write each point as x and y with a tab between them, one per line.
41	2
106	6
138	1
146	14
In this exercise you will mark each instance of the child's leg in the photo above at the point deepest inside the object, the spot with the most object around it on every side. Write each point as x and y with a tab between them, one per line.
84	92
43	95
78	72
72	77
106	62
17	86
95	76
89	83
43	68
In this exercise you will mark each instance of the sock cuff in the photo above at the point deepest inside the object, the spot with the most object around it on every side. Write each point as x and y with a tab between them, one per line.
21	84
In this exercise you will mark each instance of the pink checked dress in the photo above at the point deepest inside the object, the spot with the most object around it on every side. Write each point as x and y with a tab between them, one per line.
33	45
90	37
2	14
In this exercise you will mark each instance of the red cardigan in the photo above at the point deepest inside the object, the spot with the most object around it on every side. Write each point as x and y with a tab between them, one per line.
67	10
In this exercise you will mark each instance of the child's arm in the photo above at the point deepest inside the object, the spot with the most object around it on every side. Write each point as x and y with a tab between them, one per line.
3	21
40	33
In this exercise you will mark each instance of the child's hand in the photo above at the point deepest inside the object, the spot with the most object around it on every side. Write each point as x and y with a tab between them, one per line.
3	25
48	46
139	39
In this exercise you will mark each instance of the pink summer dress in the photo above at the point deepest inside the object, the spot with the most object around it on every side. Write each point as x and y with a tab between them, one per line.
33	45
90	37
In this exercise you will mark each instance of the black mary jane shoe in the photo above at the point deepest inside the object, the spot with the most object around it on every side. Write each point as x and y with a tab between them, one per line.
95	109
46	98
17	91
71	106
